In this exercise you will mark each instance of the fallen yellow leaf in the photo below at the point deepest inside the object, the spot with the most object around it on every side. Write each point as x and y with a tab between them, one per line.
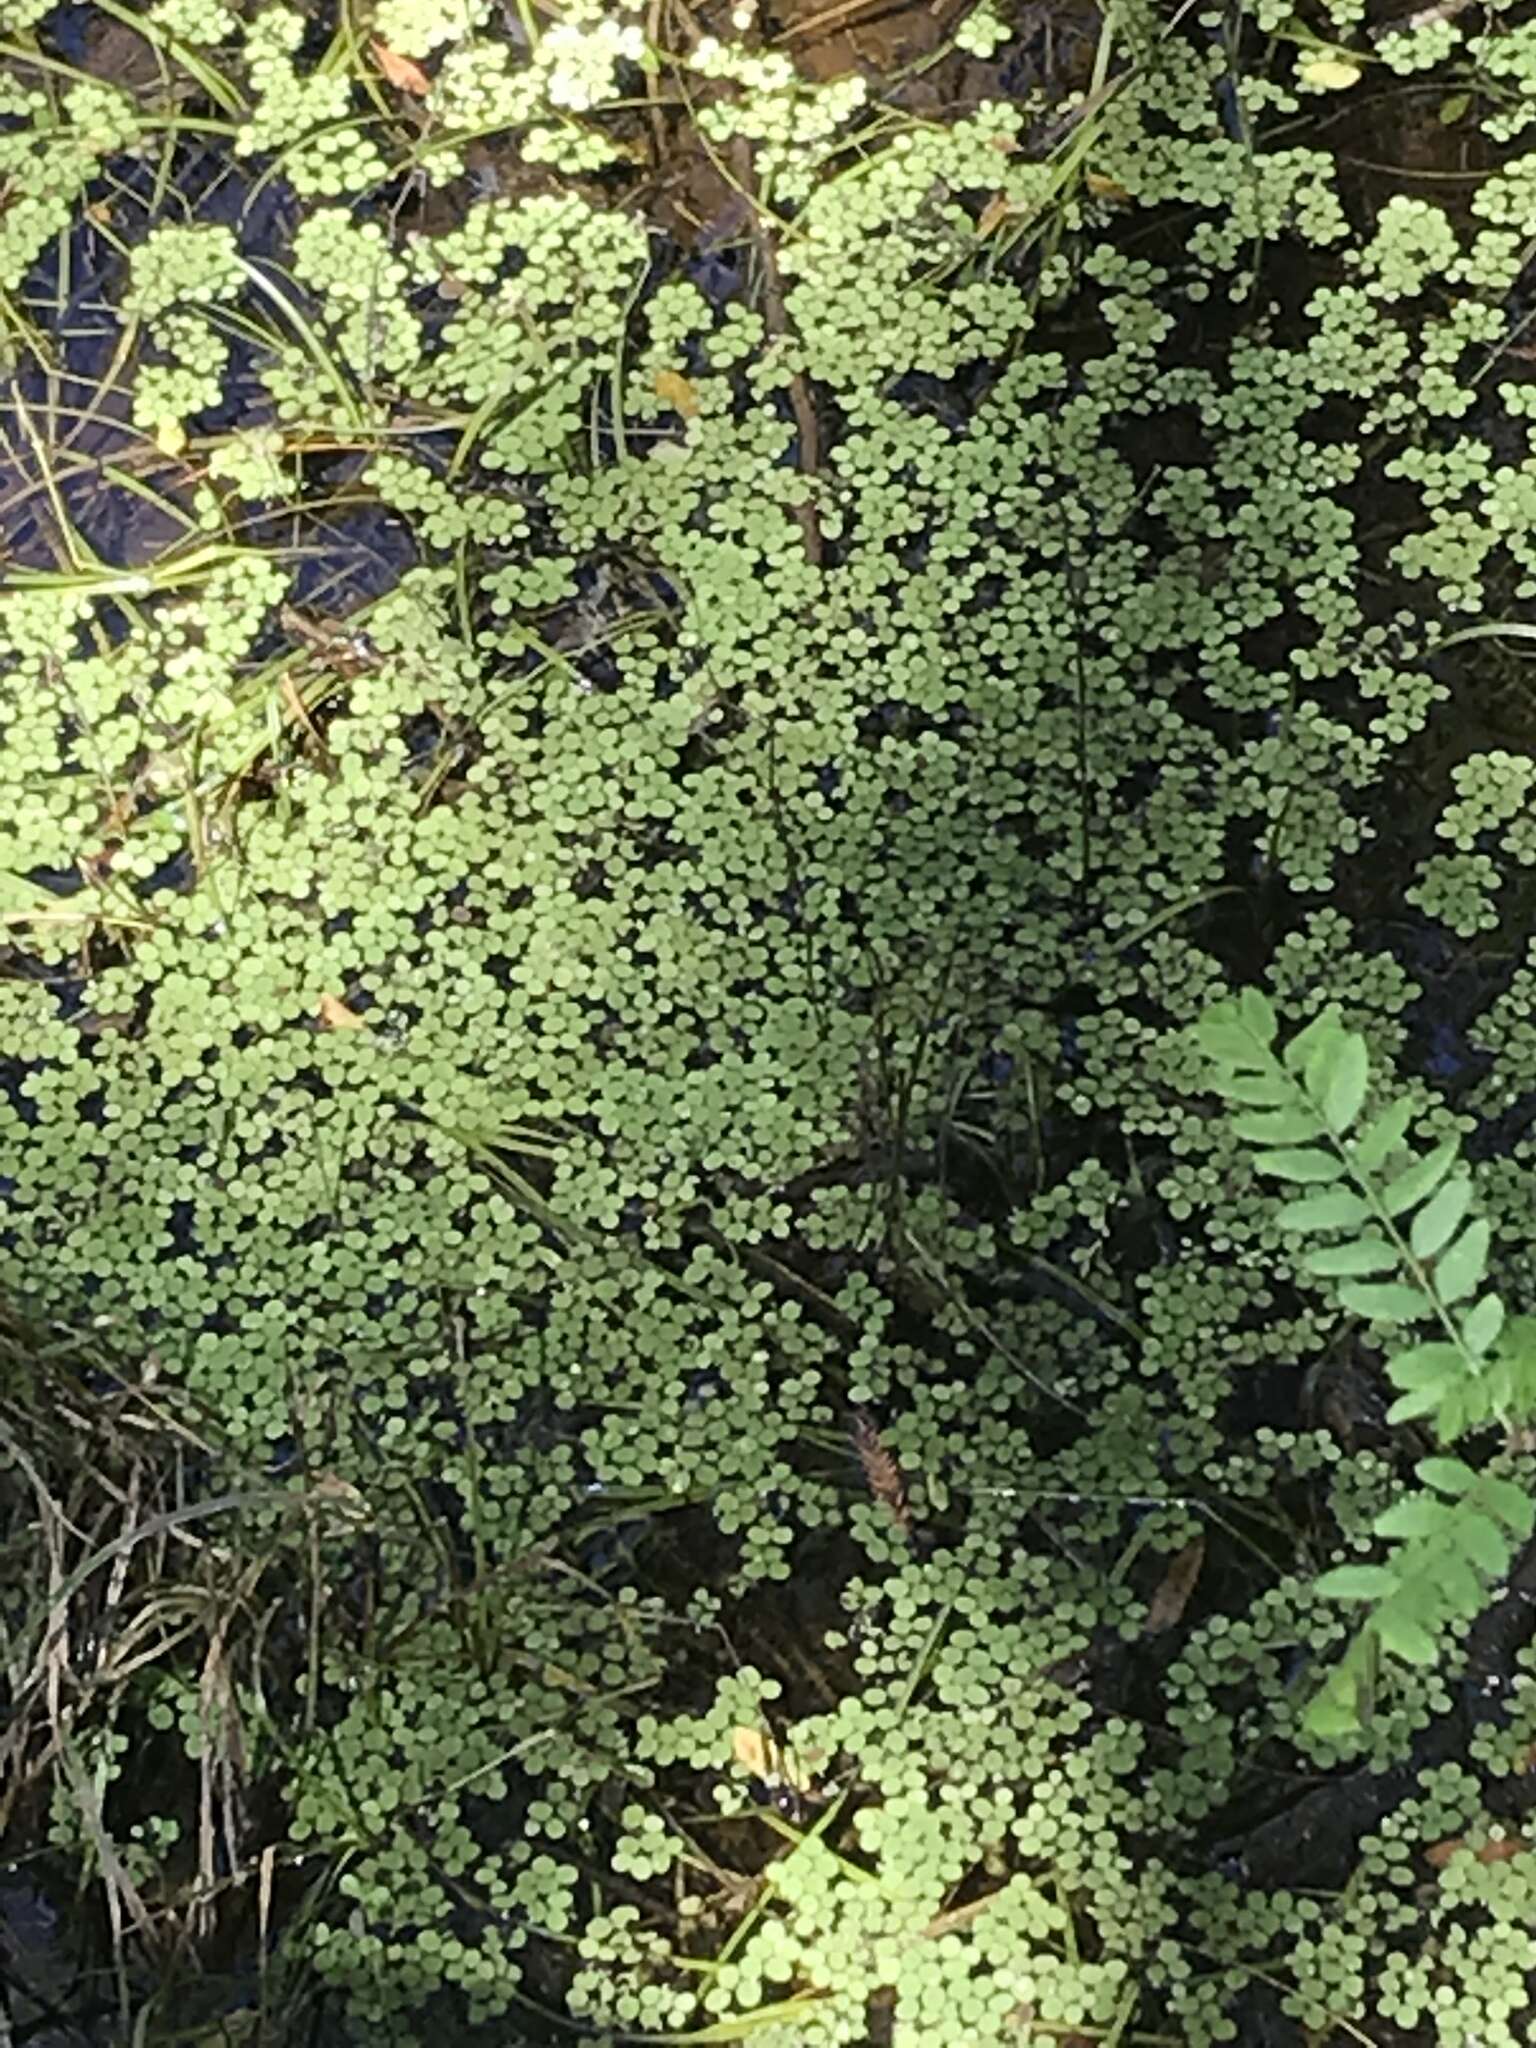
749	1746
762	1756
336	1016
1329	73
674	389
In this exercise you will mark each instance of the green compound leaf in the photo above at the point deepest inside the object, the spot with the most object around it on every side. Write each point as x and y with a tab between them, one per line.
1257	1015
1357	1582
1306	1164
1335	1712
1428	1401
1481	1324
1382	1136
1484	1542
1424	1365
1415	1518
1512	1504
1461	1408
1338	1209
1343	1089
1261	1091
1315	1037
1225	1043
1446	1475
1389	1302
1403	1635
1351	1261
1459	1587
1436	1222
1449	1539
1282	1127
1421	1179
1224	1035
1461	1268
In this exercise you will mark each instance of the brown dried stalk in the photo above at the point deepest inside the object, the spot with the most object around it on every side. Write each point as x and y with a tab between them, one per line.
776	323
882	1474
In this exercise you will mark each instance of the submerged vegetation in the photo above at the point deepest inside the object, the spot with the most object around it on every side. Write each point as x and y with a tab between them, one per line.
766	1061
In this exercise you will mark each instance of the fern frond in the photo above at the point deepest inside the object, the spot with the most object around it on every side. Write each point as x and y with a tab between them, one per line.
1405	1251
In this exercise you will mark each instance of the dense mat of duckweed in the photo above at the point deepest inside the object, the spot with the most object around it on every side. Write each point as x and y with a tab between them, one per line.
605	882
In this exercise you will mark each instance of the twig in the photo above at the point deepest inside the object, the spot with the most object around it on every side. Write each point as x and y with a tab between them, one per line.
776	323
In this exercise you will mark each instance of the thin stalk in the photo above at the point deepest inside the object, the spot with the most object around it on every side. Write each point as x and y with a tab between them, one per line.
213	81
314	347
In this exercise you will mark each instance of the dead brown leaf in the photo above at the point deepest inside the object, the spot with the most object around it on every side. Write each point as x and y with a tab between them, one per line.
993	214
94	1023
299	711
882	1474
1166	1607
338	1493
403	73
1110	190
1485	1852
556	1674
336	1016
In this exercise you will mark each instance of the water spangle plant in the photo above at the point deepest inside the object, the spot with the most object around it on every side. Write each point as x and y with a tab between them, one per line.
605	946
